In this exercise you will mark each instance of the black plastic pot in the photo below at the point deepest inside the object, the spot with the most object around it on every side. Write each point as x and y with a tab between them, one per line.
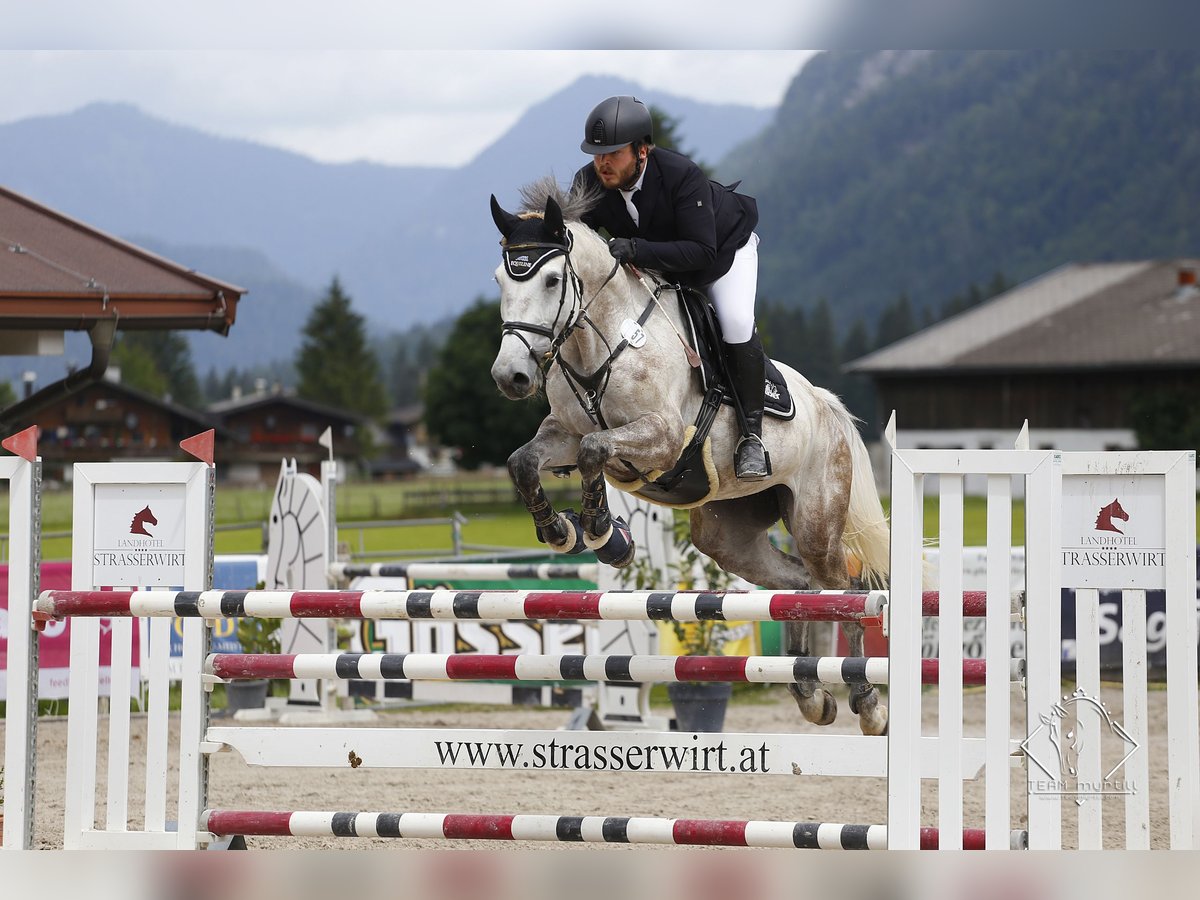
700	705
249	694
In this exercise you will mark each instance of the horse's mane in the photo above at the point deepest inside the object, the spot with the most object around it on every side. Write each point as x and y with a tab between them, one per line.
577	201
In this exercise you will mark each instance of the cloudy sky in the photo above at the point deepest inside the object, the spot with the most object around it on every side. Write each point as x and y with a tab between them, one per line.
384	94
391	106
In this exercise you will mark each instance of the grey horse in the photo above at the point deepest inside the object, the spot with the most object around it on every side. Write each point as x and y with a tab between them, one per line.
608	349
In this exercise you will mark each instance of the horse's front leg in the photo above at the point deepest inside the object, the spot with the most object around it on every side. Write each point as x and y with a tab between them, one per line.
551	446
647	443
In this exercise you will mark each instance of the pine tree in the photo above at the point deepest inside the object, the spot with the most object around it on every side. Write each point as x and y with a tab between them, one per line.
896	322
335	365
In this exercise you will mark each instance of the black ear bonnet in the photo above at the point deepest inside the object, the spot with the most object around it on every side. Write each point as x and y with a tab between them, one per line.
529	242
528	248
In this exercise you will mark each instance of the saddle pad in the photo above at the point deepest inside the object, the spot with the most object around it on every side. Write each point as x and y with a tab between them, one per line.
688	484
777	399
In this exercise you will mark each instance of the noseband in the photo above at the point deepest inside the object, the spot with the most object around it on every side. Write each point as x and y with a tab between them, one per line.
521	261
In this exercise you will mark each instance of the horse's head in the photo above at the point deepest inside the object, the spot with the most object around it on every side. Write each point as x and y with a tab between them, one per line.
539	295
1117	511
146	516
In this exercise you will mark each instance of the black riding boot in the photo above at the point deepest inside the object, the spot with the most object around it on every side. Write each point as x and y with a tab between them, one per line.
747	377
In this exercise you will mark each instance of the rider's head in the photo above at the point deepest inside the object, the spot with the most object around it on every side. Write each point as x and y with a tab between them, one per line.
619	133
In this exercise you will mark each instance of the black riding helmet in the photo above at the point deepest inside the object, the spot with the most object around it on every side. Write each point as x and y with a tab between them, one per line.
616	122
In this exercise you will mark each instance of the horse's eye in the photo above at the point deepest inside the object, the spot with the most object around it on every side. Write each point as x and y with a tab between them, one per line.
552	279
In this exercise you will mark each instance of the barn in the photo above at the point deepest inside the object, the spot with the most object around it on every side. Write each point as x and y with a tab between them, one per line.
1082	352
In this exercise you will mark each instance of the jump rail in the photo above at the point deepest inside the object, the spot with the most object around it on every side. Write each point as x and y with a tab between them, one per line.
465	571
498	605
574	829
540	667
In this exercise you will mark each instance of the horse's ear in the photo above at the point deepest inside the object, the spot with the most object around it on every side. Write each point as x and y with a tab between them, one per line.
505	221
554	221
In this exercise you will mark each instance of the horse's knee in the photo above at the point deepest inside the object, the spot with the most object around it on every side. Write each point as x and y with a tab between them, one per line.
594	452
522	467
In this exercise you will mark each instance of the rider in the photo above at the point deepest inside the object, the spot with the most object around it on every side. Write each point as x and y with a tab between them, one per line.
663	212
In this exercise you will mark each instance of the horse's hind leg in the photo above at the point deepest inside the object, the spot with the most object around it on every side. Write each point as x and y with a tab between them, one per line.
734	533
816	518
864	697
815	702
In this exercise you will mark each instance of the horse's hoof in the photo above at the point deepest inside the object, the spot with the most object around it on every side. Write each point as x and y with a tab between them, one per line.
876	723
829	711
824	714
574	542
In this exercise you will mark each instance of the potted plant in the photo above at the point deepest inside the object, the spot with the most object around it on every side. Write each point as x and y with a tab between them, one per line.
256	636
699	705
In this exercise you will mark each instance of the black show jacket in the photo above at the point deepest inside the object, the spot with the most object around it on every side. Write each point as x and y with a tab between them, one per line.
690	226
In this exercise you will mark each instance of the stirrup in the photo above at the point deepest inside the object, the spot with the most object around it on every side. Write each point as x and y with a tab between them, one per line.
752	471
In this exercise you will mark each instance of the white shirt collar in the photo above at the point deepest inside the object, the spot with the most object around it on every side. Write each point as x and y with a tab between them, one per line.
637	185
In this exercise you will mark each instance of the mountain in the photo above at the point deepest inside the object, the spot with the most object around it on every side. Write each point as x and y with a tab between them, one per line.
410	244
125	172
923	172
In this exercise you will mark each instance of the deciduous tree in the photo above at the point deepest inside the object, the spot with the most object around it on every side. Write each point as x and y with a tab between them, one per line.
463	408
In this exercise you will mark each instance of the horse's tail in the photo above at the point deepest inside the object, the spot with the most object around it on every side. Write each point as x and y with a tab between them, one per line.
867	535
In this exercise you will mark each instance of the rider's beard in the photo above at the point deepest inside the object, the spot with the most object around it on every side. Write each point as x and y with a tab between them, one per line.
622	178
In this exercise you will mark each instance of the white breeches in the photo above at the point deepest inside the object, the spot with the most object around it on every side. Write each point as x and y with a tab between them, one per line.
734	292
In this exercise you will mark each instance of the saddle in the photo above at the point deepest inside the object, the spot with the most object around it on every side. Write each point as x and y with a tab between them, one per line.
693	480
704	335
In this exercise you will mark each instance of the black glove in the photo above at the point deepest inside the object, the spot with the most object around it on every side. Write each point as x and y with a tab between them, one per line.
623	249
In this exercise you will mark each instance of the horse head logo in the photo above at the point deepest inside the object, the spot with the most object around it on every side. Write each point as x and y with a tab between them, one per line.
1104	521
1056	746
143	518
1066	743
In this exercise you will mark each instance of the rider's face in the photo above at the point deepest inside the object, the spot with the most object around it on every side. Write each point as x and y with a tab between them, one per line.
618	169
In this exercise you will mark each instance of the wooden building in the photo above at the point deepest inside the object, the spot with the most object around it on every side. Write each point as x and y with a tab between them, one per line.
267	426
106	420
58	274
1073	351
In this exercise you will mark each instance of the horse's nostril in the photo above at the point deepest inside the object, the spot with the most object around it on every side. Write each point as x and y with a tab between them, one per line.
521	380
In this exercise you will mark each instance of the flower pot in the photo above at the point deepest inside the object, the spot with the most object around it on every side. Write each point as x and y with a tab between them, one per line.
700	706
249	694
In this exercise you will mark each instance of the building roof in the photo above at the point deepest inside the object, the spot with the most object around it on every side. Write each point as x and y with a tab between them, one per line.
1079	316
59	274
225	408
